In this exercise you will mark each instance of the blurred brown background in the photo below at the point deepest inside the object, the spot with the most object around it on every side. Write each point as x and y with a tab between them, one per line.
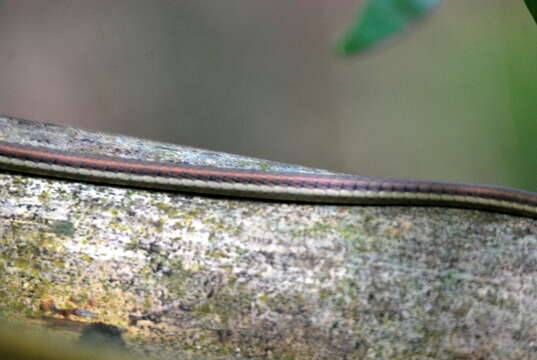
261	78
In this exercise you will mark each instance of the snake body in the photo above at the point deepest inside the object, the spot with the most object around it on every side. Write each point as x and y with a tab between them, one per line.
313	188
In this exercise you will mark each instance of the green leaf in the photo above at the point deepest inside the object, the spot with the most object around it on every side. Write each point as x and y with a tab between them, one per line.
532	7
382	19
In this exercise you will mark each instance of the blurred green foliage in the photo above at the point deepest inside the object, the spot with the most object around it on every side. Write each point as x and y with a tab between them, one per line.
532	7
382	19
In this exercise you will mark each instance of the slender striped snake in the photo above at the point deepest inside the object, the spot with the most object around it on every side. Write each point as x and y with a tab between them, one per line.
313	188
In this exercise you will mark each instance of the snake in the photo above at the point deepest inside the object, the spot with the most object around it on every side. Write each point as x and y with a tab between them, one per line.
256	184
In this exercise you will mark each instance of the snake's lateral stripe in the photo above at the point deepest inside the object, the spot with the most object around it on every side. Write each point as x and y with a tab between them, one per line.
334	189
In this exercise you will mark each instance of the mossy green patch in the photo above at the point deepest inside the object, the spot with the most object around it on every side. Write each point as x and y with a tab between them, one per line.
44	196
29	259
62	227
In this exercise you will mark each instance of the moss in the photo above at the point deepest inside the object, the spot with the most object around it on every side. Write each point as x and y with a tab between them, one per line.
62	227
204	308
312	230
44	196
167	209
264	166
30	258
